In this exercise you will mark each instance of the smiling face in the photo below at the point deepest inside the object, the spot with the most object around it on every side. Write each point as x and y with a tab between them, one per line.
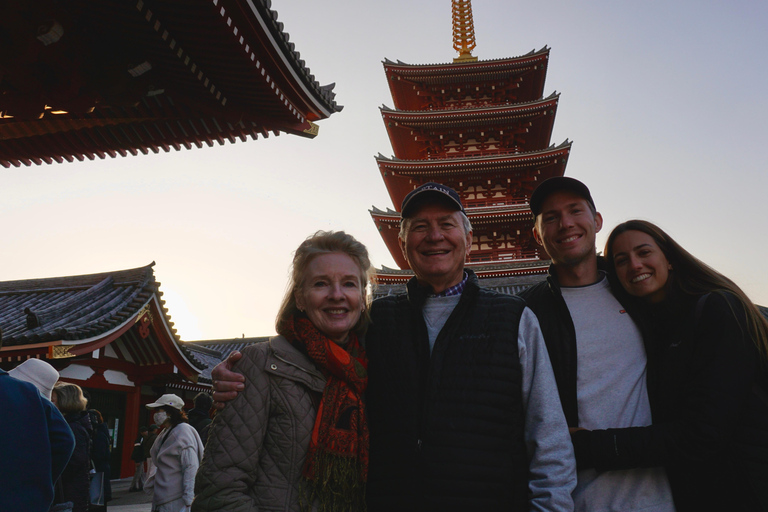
331	294
641	266
566	228
436	246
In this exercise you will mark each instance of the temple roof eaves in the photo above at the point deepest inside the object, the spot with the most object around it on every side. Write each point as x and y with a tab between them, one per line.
474	159
454	112
389	212
533	53
282	38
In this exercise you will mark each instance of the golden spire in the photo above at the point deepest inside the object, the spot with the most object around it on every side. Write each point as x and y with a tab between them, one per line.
463	30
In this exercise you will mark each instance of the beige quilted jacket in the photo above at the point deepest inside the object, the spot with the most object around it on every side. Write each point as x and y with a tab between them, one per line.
257	444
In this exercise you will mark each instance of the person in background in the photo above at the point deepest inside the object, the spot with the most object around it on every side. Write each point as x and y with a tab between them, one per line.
176	455
708	354
298	432
101	451
35	440
138	457
74	481
37	372
199	416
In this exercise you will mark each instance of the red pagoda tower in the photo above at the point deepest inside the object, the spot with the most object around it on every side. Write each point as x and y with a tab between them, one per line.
483	128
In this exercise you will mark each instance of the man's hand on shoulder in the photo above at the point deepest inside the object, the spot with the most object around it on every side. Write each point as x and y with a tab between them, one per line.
226	383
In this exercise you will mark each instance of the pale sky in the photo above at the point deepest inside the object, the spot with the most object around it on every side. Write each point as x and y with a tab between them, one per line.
665	102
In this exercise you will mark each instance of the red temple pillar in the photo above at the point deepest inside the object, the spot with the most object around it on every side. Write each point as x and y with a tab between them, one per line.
132	404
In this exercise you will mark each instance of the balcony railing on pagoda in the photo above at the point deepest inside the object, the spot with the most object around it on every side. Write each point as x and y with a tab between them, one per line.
505	255
496	202
471	150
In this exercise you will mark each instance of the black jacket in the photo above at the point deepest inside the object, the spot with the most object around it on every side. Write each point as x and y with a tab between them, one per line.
710	413
75	480
200	419
546	300
446	430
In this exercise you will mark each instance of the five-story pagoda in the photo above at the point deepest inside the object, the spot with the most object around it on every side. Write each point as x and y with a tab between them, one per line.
483	128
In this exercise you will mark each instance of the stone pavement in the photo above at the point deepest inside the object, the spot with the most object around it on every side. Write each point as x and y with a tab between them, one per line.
124	501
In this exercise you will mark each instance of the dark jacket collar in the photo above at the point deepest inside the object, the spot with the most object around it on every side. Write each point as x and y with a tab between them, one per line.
554	283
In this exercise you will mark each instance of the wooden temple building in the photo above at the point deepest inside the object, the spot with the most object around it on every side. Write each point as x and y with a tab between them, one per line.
88	79
110	334
93	78
482	127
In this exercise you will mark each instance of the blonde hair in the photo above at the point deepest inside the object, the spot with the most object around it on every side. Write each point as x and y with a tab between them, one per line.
693	277
324	242
69	397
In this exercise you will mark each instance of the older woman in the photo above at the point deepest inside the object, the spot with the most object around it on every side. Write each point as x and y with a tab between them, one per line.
297	435
176	456
708	378
74	484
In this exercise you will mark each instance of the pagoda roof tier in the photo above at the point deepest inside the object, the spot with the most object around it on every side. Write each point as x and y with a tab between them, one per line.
390	276
499	233
483	131
419	86
481	181
120	314
93	78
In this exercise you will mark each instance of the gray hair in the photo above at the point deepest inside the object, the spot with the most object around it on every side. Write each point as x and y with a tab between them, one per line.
405	224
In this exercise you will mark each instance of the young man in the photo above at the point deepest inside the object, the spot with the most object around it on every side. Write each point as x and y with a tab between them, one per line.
596	349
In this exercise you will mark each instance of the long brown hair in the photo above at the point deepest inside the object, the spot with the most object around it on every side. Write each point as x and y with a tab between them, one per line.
693	277
324	242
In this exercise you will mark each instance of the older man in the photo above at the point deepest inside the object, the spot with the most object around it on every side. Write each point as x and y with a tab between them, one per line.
596	349
462	403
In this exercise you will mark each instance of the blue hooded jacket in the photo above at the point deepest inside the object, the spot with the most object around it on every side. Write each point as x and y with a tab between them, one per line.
36	443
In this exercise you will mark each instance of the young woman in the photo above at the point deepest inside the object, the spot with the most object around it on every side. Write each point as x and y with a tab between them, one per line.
297	437
707	349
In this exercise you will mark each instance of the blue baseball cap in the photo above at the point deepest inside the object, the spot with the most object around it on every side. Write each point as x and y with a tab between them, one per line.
427	190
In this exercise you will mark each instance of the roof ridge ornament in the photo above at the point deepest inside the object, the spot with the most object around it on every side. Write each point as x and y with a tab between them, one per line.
463	30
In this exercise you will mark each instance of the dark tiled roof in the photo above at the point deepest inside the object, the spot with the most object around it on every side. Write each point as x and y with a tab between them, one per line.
74	307
212	352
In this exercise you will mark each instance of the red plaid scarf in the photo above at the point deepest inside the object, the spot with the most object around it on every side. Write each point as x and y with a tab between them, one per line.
336	468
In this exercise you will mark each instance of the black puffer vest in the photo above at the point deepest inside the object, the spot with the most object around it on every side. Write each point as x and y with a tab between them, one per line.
446	430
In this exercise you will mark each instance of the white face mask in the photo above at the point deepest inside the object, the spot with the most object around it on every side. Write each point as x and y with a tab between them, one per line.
160	417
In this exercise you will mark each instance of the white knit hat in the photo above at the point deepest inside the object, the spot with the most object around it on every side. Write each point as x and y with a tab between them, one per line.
37	372
169	399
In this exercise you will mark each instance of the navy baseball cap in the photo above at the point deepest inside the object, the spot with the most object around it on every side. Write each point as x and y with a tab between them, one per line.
552	185
430	189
